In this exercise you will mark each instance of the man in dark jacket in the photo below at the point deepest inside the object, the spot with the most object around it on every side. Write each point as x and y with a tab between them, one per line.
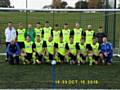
100	35
13	51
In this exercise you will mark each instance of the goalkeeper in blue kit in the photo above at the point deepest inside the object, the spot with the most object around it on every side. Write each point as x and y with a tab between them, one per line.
106	52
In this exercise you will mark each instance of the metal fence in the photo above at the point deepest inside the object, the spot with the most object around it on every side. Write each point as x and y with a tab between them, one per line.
108	19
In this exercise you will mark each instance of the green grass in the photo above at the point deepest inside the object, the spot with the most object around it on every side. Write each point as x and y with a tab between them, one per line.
40	76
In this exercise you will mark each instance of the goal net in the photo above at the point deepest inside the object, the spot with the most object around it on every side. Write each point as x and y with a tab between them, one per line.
109	19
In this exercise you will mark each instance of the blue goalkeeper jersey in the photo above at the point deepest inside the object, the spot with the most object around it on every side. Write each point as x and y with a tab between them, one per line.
106	47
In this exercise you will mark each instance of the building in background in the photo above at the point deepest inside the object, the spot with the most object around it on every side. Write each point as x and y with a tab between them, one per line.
95	3
56	3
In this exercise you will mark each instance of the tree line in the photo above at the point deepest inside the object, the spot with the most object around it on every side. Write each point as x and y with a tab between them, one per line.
78	5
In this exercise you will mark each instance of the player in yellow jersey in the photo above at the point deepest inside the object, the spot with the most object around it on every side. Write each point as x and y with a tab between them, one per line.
66	33
38	30
93	52
89	35
20	35
71	51
39	50
47	31
81	52
78	33
50	49
26	54
56	34
60	50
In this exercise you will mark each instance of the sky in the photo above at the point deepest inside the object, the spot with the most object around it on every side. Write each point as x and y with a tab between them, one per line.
37	3
40	3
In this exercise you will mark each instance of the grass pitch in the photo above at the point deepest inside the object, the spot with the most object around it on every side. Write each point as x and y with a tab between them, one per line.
67	76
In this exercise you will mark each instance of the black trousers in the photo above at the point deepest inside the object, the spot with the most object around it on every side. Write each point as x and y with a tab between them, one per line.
39	56
73	57
21	44
61	57
51	57
96	57
83	57
7	43
28	56
13	60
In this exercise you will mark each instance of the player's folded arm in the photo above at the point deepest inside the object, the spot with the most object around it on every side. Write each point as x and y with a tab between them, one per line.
89	47
23	50
66	48
33	47
94	34
61	33
52	32
44	47
83	34
71	33
77	48
56	48
42	33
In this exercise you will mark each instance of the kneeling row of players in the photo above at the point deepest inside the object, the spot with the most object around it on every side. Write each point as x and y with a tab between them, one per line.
73	53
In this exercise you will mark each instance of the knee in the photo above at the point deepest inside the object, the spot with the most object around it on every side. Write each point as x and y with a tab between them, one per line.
90	53
34	54
101	55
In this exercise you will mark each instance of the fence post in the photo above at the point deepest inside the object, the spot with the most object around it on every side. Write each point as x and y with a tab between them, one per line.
26	14
114	25
53	18
106	16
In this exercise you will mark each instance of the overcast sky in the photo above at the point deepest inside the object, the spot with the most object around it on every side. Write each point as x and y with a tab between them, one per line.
36	3
39	3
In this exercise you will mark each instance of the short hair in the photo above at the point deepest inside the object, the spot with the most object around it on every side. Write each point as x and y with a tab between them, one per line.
28	36
105	36
56	25
100	27
38	35
47	22
38	23
61	36
83	38
10	22
95	37
66	24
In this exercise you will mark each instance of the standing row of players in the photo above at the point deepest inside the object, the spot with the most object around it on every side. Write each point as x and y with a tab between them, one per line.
42	45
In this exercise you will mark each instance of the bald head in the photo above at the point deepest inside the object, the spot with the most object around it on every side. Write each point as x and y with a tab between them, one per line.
12	42
77	25
89	27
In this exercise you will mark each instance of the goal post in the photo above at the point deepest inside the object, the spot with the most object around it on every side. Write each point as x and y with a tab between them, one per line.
107	18
63	10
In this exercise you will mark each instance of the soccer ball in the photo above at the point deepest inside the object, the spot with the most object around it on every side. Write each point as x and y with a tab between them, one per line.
53	62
